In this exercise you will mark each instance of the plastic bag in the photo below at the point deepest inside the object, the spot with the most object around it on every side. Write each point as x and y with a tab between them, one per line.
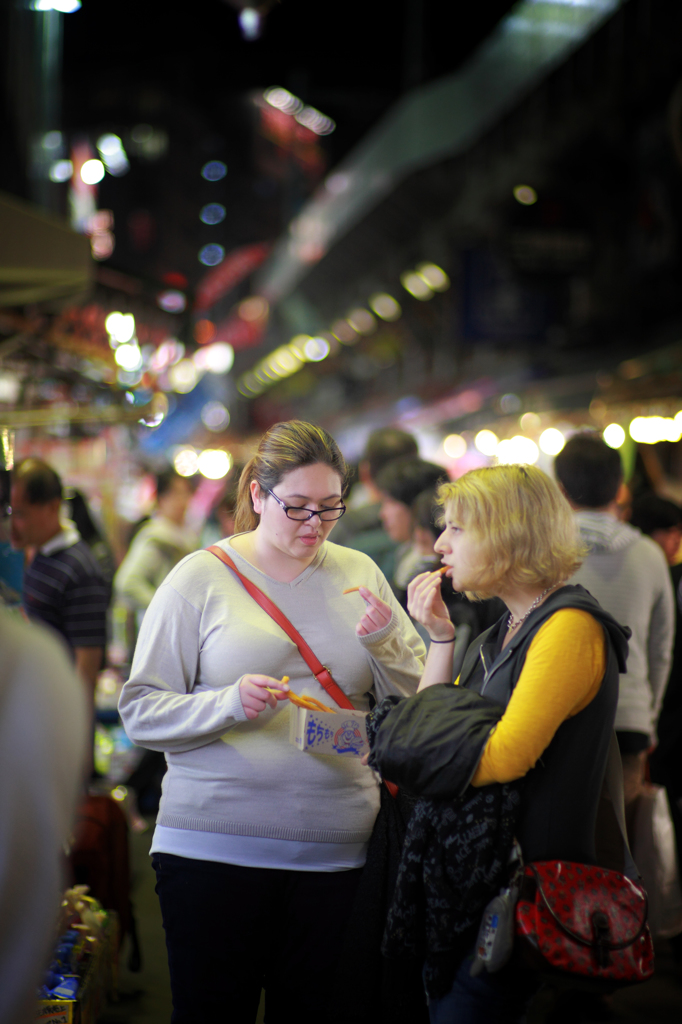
655	854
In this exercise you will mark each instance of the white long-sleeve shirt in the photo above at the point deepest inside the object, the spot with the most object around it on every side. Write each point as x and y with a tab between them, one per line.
228	775
628	575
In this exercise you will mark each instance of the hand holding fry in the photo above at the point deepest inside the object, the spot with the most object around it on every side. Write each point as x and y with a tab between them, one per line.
258	692
426	605
377	613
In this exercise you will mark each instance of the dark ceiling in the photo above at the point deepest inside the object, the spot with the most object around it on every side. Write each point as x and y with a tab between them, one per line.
190	71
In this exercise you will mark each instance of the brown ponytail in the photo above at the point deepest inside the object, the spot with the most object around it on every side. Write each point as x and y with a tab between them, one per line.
285	447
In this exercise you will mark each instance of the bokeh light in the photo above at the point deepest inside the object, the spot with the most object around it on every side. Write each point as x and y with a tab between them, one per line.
169	352
551	441
214	170
211	255
454	446
486	441
128	357
517	450
250	23
92	172
315	121
186	462
416	285
218	357
120	327
171	301
215	416
214	463
344	332
385	306
63	6
252	309
614	435
525	194
284	362
283	100
435	277
530	421
212	213
102	245
510	403
362	320
316	349
113	155
204	331
183	376
654	429
61	170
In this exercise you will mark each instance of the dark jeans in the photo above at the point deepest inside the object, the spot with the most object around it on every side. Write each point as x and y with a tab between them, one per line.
499	998
231	931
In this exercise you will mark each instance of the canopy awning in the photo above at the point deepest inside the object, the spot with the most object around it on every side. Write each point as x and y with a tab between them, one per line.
40	256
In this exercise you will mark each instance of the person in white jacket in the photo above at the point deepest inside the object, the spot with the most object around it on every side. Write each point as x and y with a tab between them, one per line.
628	574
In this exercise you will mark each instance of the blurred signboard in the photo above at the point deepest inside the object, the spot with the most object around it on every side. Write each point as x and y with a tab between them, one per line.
227	275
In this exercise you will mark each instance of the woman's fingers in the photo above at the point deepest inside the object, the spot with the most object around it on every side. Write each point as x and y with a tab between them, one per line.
377	613
255	693
423	592
425	602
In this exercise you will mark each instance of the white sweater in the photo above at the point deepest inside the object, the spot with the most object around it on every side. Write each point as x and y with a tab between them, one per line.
201	634
628	575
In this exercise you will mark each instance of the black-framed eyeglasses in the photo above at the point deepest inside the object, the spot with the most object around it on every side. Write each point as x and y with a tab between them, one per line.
302	515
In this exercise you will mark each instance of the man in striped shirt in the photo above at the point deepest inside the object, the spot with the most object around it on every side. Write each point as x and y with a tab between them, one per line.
63	585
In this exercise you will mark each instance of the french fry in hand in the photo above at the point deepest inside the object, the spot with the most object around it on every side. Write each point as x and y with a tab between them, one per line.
350	590
271	689
310	703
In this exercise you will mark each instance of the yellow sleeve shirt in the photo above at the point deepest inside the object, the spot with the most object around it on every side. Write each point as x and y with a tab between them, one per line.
564	667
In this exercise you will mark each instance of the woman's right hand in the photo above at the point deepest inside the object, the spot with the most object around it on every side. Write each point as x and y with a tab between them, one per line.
426	605
255	695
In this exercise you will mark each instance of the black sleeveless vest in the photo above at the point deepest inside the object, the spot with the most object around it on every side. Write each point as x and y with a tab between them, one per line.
561	793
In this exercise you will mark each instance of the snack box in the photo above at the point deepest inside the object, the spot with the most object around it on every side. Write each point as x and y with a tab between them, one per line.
57	1011
327	732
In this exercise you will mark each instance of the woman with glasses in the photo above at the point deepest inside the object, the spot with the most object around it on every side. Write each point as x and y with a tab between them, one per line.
258	846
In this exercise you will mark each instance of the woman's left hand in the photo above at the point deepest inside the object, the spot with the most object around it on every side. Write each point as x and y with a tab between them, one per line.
377	613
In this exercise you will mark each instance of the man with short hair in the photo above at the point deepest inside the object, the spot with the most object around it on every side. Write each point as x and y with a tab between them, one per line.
63	585
628	575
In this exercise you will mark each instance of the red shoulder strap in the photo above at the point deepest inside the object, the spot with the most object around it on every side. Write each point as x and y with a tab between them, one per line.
322	674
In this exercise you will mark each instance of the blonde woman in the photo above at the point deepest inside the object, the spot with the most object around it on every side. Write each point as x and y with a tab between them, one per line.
551	663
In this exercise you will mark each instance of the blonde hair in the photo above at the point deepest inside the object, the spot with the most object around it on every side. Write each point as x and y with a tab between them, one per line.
285	447
525	524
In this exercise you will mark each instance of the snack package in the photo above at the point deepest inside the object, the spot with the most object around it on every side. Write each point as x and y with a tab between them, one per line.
323	732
